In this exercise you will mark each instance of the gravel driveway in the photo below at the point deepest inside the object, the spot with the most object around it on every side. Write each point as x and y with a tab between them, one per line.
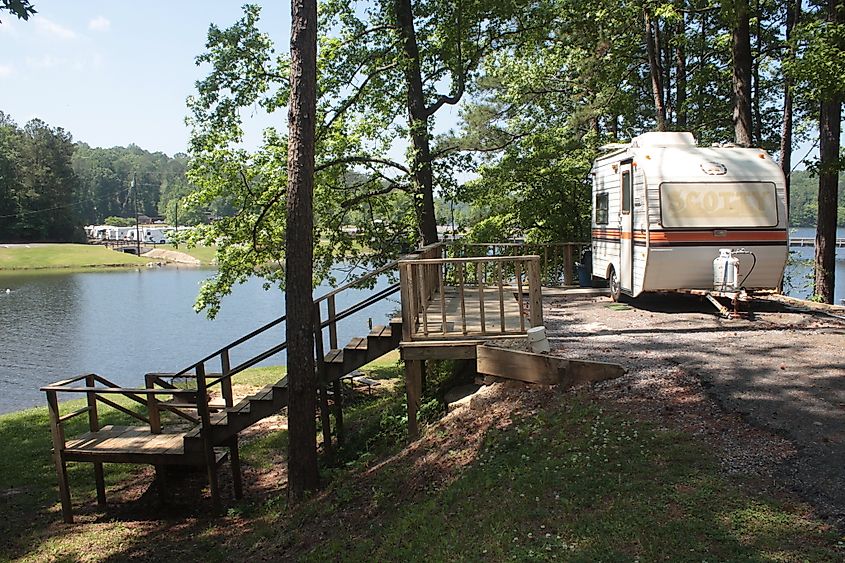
783	370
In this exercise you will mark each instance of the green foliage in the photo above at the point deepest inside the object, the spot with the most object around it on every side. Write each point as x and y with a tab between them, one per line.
819	65
38	187
365	81
107	176
803	199
22	9
119	221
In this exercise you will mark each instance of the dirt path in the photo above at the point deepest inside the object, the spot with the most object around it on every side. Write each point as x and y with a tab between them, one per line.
783	371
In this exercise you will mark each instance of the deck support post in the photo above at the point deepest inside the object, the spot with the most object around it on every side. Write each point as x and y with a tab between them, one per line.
568	262
207	438
413	386
58	456
325	419
337	387
235	459
161	483
94	426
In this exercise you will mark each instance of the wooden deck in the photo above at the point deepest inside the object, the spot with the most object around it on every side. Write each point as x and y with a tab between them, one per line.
125	443
476	313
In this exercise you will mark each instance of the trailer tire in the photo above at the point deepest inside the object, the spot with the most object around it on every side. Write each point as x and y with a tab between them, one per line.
614	285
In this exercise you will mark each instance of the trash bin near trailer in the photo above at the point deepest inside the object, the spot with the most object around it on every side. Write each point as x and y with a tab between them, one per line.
585	269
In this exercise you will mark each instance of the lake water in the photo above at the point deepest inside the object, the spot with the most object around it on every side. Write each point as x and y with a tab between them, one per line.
122	324
798	279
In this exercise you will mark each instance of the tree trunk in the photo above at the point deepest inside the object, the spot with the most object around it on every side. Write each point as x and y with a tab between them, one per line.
755	66
830	125
613	127
741	55
418	124
681	74
793	14
303	473
667	72
654	71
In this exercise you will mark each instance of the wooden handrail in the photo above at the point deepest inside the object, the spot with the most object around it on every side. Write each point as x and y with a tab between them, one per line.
77	412
470	259
479	282
117	390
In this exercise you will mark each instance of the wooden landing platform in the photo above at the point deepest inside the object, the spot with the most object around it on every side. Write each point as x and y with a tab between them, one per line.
499	316
129	444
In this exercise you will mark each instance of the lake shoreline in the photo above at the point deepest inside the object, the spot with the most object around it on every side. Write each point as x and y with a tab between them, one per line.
38	257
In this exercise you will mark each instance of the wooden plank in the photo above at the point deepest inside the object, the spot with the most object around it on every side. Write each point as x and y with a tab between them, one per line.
542	368
355	343
479	274
535	292
580	372
461	294
518	270
377	331
423	298
406	294
522	366
501	299
465	351
334	356
568	277
442	288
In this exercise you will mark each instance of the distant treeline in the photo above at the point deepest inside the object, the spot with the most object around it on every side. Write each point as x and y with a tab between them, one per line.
51	186
804	197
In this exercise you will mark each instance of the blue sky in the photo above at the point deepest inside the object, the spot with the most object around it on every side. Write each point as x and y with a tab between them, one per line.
118	72
115	72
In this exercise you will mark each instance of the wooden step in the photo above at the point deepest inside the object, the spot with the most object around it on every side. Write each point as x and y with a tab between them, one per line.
379	331
334	356
357	344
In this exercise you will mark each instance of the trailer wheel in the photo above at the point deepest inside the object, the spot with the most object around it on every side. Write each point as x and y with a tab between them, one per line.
615	286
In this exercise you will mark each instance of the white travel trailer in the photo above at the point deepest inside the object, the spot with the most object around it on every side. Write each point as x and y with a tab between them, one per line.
148	234
664	209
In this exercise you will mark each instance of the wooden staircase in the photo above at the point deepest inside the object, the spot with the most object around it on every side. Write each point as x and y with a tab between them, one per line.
271	399
215	424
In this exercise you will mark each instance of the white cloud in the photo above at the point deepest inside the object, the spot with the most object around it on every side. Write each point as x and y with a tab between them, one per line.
99	23
44	61
8	27
6	71
49	27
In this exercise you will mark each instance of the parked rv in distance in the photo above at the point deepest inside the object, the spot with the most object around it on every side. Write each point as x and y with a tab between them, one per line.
158	234
664	208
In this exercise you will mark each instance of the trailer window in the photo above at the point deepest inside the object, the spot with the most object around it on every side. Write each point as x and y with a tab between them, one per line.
601	208
626	191
729	204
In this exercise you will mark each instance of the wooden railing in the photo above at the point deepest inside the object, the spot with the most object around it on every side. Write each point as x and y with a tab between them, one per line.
557	259
479	284
198	378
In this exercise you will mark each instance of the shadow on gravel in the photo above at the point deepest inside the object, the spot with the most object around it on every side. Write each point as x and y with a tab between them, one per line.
783	370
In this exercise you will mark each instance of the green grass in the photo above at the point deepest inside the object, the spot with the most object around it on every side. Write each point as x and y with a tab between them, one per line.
28	475
575	480
42	256
576	483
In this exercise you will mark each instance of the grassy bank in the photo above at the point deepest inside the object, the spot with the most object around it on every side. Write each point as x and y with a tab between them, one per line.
69	256
205	254
528	475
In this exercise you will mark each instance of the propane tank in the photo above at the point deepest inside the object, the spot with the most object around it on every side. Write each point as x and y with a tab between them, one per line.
725	271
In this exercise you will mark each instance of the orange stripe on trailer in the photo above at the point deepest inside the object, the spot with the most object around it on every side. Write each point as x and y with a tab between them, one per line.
711	236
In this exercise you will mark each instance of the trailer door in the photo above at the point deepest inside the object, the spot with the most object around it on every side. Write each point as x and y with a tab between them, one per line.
626	219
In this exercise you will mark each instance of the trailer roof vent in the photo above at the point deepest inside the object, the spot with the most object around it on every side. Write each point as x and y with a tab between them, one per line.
664	139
